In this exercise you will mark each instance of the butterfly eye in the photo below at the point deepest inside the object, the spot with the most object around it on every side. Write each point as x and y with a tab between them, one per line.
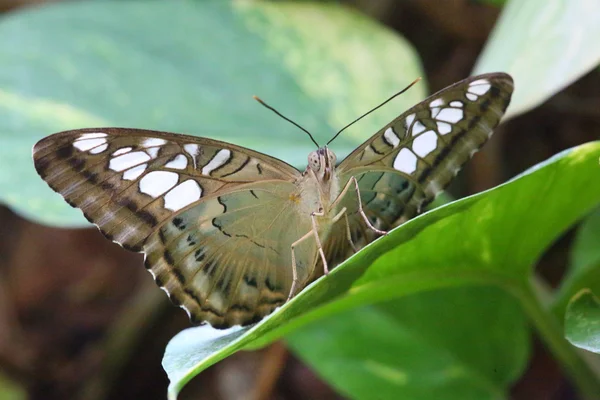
332	158
313	161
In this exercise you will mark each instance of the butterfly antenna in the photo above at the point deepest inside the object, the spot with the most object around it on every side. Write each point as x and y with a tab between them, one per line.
373	109
286	118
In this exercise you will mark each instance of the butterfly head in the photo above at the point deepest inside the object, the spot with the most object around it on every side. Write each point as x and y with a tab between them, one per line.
322	163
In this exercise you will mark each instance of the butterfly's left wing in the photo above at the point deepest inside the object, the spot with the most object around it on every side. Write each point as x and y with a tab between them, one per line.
406	164
129	181
215	220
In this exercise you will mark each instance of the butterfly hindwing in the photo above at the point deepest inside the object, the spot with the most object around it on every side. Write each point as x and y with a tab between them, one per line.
227	260
128	181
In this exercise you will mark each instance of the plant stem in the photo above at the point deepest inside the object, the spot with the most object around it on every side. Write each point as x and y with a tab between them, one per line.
550	330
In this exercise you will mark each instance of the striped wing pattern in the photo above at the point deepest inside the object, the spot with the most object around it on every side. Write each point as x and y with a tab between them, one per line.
128	181
136	185
407	163
227	260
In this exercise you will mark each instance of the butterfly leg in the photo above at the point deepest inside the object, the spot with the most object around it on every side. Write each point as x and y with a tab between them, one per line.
360	207
314	232
313	216
294	270
344	214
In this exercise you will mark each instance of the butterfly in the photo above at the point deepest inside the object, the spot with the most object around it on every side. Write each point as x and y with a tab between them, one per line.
231	234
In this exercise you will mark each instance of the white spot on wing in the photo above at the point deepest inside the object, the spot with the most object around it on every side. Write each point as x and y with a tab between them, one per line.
93	135
156	183
217	161
457	103
472	97
153	151
189	314
436	103
128	160
450	115
418	127
134	173
179	162
193	150
391	137
99	149
409	120
182	195
122	150
153	142
405	161
480	87
425	143
87	144
444	127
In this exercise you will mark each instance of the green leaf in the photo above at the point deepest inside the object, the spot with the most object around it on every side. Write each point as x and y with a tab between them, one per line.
582	321
9	390
545	45
454	343
489	239
584	268
191	66
496	3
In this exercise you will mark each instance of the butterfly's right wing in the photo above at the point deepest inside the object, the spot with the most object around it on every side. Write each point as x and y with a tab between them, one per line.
406	164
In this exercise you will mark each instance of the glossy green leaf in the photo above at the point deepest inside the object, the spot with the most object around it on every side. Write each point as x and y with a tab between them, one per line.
545	45
454	343
584	266
191	66
582	321
489	239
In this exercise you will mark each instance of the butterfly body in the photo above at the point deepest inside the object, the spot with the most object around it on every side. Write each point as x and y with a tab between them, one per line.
229	233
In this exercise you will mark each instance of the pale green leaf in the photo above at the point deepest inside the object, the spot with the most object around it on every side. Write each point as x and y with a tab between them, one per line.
582	321
545	45
191	67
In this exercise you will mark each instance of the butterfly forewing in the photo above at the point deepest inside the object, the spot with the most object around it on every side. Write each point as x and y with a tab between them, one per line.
406	164
129	181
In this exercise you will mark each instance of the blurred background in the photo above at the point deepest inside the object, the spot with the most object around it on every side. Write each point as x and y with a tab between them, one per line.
80	318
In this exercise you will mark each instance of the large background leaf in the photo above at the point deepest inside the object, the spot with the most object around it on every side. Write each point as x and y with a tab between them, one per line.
489	239
113	63
582	321
584	268
545	45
